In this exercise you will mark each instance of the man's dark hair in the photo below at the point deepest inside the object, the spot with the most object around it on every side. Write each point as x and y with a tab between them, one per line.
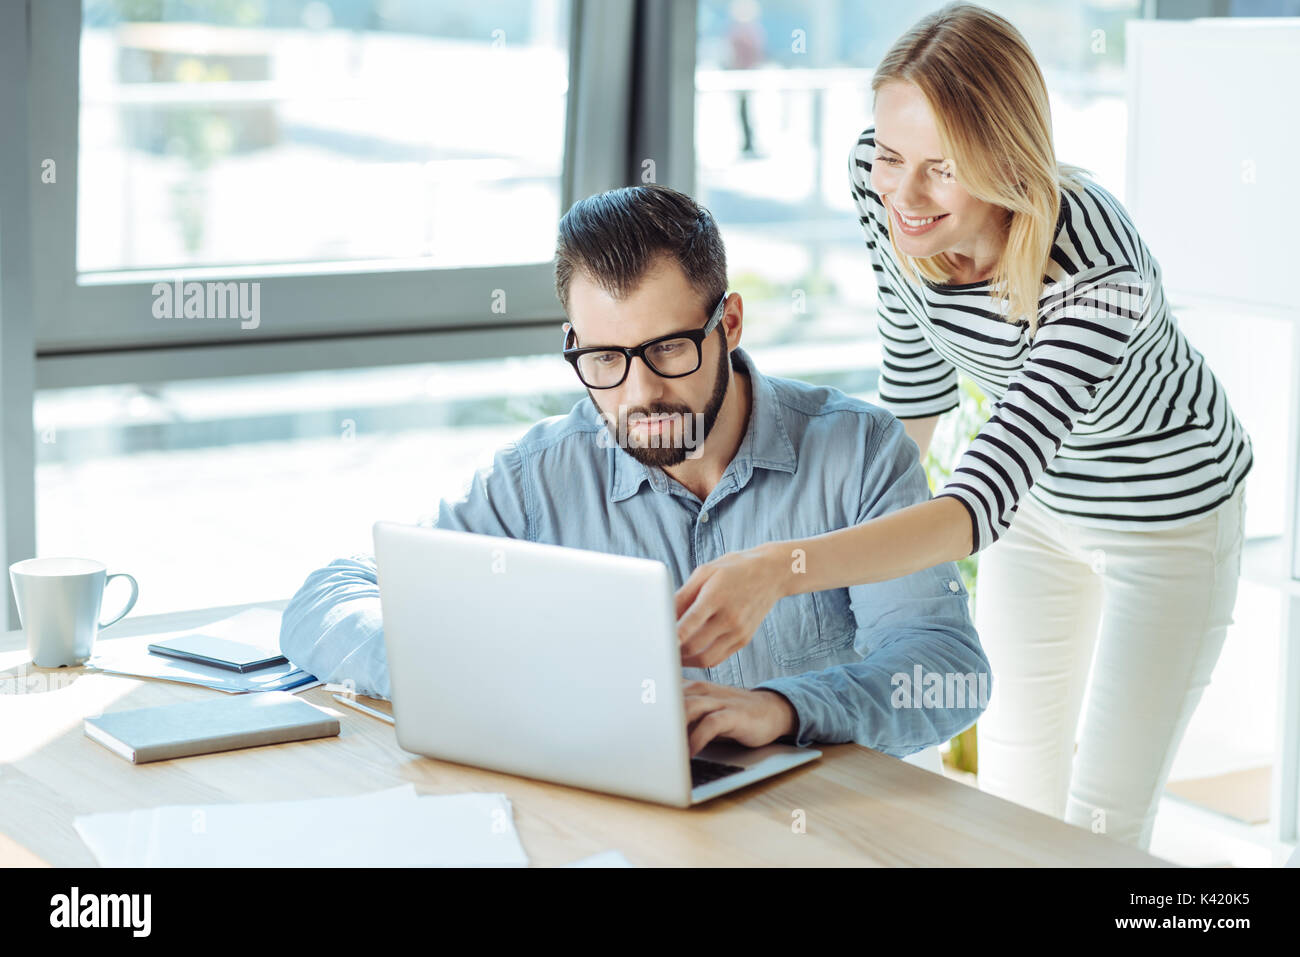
616	237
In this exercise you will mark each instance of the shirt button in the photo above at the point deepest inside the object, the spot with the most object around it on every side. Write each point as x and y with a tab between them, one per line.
704	516
953	586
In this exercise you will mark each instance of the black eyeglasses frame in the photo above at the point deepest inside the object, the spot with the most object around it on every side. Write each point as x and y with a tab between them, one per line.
572	355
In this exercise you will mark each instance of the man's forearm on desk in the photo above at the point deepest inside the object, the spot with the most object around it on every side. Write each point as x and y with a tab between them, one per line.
333	627
862	701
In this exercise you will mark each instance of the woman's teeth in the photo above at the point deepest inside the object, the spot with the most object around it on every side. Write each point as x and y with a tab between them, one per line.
919	222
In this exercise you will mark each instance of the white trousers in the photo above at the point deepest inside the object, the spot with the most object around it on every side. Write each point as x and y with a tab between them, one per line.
1154	606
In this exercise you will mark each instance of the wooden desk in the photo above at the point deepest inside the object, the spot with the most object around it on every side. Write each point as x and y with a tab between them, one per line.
861	808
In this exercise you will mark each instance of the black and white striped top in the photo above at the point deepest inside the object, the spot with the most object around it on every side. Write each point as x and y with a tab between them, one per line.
1108	416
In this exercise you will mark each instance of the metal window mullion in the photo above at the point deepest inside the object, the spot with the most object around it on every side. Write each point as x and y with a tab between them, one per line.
203	361
600	96
19	158
663	95
1189	9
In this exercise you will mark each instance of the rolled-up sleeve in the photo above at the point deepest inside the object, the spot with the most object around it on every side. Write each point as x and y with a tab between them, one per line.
1079	346
923	677
332	627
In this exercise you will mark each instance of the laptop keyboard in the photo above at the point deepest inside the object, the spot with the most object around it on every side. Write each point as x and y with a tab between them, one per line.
702	771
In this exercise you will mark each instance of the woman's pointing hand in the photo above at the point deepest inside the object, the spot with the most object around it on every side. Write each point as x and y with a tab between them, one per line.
720	607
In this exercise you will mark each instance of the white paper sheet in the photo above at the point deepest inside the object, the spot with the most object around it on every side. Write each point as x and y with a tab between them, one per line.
257	626
252	626
143	664
392	828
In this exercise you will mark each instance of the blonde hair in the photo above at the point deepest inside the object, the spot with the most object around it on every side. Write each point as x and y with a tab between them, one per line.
991	110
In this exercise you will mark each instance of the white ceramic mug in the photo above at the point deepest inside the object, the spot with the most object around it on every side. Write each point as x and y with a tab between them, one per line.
59	602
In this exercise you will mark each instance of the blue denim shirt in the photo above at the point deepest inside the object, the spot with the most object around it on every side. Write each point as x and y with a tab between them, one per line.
812	460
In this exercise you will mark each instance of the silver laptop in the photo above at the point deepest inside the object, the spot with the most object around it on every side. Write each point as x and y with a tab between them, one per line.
553	663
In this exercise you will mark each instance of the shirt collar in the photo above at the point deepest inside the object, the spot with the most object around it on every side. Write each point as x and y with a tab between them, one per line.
766	443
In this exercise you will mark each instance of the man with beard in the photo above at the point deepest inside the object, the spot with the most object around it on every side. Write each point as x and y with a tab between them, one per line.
654	337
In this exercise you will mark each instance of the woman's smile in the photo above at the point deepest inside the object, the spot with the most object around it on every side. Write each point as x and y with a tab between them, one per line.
916	226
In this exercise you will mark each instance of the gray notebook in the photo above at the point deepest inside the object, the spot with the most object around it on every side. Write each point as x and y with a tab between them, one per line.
212	724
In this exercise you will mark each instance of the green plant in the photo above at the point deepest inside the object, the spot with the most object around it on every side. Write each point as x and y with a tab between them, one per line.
952	436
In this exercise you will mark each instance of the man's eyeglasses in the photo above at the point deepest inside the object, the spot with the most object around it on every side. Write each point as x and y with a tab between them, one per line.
672	356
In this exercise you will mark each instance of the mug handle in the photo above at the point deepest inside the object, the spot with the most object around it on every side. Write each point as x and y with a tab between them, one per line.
135	593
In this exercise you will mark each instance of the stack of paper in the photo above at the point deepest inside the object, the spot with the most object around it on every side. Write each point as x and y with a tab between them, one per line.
258	626
393	828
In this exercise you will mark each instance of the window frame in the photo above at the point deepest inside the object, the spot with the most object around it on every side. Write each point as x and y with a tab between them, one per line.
443	308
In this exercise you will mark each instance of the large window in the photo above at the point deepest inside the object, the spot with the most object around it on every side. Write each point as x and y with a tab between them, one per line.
218	491
224	133
783	89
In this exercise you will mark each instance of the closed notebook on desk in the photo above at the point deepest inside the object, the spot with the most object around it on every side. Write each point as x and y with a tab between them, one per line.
212	724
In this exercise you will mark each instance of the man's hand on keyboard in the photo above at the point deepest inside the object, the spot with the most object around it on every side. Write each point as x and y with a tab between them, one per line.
751	718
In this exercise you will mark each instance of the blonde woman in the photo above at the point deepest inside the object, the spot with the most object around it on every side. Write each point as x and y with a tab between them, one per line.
1105	492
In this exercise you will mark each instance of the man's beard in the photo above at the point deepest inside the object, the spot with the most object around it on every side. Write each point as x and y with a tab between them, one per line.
667	456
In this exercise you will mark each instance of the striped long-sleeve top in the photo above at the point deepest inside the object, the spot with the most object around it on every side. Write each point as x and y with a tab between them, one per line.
1107	415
